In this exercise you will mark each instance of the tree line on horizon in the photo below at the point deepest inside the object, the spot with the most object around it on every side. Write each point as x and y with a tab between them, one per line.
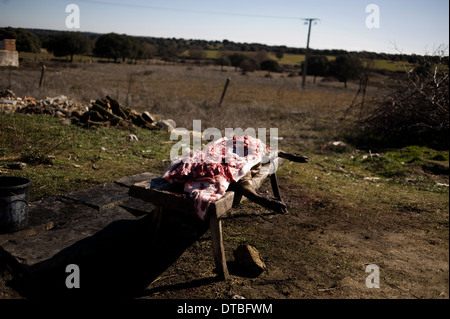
120	47
243	56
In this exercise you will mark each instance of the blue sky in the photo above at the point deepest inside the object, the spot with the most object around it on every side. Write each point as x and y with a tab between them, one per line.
413	26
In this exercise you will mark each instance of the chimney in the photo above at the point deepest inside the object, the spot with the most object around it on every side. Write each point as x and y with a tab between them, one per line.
9	44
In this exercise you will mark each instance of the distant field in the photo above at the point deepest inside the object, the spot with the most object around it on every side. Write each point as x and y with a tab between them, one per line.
297	59
288	59
391	65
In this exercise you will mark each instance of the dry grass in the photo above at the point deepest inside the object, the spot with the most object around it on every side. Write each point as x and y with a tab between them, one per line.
305	118
338	220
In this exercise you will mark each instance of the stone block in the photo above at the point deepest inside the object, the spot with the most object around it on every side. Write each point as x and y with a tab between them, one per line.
101	197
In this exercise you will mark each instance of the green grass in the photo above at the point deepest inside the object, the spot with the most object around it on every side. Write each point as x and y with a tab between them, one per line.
393	66
401	163
306	120
44	57
65	158
288	58
339	181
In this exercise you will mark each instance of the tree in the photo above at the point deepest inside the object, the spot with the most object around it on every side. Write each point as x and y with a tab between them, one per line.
115	46
196	52
346	67
223	61
112	46
25	40
236	59
270	66
136	49
248	65
68	44
261	56
150	50
168	51
279	54
317	65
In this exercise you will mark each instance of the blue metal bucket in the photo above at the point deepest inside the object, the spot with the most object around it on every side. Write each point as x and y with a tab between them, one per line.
14	205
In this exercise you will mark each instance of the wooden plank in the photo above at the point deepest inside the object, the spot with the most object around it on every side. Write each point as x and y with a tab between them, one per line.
156	222
217	246
223	205
275	189
160	193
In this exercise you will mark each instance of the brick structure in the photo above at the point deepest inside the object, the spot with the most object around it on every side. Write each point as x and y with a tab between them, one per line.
8	53
8	45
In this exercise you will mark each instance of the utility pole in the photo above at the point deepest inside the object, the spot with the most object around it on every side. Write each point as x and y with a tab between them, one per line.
305	65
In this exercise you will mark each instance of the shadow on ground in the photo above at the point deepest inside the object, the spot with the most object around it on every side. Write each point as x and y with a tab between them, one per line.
119	261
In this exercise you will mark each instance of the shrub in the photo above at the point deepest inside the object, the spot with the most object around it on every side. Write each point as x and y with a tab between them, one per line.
248	65
346	67
236	59
416	113
270	66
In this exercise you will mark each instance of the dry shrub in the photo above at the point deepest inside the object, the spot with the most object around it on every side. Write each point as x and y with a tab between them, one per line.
416	113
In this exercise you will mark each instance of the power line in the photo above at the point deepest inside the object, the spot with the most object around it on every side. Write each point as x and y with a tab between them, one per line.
144	6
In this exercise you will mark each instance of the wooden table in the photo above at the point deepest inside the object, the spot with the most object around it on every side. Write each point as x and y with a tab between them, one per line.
169	196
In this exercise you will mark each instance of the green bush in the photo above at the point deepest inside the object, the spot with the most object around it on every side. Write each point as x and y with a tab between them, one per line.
271	66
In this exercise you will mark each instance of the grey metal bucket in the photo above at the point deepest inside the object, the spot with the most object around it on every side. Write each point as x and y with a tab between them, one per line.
14	192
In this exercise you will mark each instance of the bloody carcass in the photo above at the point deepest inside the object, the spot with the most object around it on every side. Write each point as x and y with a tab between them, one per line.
228	163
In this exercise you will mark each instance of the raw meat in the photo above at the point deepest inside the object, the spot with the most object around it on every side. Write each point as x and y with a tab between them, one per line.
207	174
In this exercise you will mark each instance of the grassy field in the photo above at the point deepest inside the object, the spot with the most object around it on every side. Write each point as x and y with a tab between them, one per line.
305	119
63	158
297	59
347	208
287	59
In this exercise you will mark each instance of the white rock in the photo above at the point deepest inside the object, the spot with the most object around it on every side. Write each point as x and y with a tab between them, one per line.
132	138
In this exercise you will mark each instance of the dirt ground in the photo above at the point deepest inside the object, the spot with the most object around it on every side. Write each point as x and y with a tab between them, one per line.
317	251
320	250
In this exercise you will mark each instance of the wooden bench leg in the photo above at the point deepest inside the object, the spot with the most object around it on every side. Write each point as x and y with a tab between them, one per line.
276	189
217	245
156	223
237	199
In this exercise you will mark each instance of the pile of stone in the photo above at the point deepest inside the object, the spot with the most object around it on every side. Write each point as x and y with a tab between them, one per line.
104	112
59	106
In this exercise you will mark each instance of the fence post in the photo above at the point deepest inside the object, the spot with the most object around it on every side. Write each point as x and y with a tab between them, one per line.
224	91
42	75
